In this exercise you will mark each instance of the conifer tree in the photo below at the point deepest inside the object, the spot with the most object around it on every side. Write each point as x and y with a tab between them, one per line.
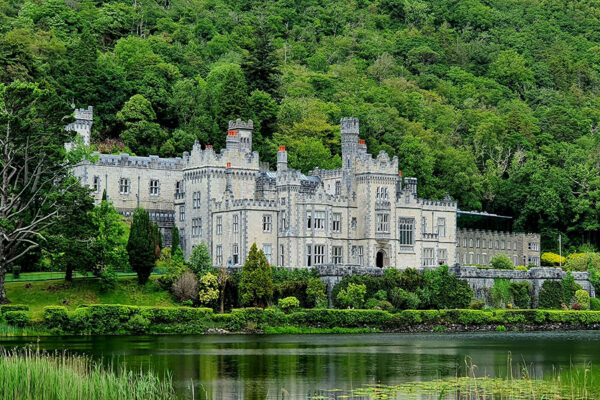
257	283
141	245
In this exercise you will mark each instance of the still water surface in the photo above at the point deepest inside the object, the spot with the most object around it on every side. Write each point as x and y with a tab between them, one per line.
296	366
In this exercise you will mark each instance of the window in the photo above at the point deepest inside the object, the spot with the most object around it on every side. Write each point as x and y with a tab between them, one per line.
442	257
309	255
508	245
319	254
502	245
179	187
514	260
477	243
235	250
283	225
124	186
428	257
353	223
182	213
319	219
219	257
465	242
515	246
534	260
478	260
484	244
336	226
308	219
267	223
281	255
267	249
471	258
154	187
383	222
338	188
406	228
236	223
423	224
441	227
470	242
382	193
533	246
196	227
196	200
464	258
336	255
96	184
219	225
497	244
484	259
357	254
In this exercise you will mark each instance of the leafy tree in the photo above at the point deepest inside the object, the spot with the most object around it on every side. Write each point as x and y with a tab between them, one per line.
141	133
209	290
501	261
110	246
200	261
353	296
441	289
141	245
256	284
261	65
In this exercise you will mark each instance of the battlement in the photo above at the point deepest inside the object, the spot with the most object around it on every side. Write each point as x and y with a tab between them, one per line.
239	124
125	159
349	125
224	205
207	157
470	231
83	114
382	164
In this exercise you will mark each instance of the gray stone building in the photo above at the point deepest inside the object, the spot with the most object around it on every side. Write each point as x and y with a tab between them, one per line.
477	247
363	214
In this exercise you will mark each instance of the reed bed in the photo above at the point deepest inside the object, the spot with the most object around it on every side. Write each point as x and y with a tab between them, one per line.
30	374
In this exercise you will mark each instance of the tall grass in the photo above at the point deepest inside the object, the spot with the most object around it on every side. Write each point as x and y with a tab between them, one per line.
31	374
9	330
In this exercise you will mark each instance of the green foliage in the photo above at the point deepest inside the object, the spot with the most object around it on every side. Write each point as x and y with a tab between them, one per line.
16	318
200	261
569	287
403	300
111	238
594	304
171	267
583	262
551	294
444	290
141	246
552	259
353	296
208	289
13	307
477	304
583	299
289	304
138	324
256	283
521	294
501	261
315	293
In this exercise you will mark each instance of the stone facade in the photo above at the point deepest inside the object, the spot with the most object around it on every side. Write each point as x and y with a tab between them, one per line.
130	182
362	214
477	247
82	126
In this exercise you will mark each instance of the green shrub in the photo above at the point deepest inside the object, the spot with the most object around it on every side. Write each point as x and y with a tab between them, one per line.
569	287
500	328
138	324
551	294
501	261
441	289
583	299
16	318
500	294
521	268
56	318
521	294
289	304
208	289
13	307
552	259
403	300
371	303
316	293
583	262
352	297
16	271
381	295
595	304
477	304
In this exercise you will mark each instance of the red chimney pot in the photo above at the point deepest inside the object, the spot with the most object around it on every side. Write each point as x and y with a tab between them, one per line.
228	165
281	148
209	146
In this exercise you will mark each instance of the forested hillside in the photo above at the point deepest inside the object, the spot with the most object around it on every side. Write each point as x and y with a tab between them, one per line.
494	102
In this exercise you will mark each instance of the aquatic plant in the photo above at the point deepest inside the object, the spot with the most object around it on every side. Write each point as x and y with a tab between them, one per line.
31	374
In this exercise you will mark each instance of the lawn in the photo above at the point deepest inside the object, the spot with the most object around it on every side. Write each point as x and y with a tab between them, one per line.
38	295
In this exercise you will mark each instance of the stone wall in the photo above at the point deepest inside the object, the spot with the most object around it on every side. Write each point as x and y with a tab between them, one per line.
482	280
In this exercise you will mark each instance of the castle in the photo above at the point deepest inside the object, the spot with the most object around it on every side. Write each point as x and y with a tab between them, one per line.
363	214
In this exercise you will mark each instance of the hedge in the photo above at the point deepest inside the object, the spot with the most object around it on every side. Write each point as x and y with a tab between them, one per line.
16	318
123	319
13	307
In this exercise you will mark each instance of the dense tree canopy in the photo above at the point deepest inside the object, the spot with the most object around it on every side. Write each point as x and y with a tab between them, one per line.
495	103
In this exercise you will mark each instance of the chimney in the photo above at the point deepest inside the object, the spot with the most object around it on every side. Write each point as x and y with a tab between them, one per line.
362	146
233	140
228	183
399	184
282	159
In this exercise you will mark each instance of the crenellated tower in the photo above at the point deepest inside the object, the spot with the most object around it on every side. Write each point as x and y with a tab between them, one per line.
349	130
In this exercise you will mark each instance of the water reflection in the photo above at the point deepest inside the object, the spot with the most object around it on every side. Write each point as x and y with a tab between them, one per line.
285	367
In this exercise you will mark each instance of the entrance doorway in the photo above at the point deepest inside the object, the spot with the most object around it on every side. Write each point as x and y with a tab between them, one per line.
379	259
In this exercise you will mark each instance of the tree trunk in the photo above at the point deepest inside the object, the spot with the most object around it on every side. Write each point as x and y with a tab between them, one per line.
223	302
3	298
69	274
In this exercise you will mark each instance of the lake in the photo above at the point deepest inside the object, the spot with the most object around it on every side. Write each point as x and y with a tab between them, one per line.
296	366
